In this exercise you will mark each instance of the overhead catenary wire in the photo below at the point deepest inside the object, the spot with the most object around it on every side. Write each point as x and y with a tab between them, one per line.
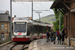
45	7
30	7
35	10
26	5
36	7
26	8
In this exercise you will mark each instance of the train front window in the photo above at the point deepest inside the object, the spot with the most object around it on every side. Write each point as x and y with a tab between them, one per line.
20	26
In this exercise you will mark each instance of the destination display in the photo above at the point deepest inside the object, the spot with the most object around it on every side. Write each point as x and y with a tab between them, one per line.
20	22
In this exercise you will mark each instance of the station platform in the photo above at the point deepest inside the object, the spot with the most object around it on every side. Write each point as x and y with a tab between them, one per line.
42	44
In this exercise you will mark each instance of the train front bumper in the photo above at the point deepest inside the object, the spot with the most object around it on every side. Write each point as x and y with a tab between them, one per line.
20	39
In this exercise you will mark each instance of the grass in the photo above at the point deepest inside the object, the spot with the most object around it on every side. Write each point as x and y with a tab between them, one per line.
48	19
26	49
1	42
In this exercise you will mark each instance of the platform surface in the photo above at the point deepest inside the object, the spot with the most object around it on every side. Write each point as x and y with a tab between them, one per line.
41	44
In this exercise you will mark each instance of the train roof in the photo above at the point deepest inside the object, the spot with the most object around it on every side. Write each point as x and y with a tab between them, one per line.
22	19
26	19
41	24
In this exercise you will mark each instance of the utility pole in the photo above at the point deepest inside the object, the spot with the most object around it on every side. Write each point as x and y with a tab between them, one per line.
69	29
32	17
39	15
11	20
60	22
32	10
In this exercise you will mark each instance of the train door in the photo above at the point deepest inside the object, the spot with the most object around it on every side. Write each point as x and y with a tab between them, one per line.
28	29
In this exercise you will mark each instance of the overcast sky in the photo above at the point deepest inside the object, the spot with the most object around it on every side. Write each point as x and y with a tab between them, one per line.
23	9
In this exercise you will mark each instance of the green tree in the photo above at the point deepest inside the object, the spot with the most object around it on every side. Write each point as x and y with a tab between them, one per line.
56	23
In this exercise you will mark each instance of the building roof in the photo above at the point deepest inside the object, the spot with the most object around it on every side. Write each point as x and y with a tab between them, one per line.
4	18
59	3
30	0
62	5
27	17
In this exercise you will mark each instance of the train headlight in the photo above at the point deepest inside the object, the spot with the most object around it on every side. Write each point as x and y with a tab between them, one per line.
27	36
23	32
12	36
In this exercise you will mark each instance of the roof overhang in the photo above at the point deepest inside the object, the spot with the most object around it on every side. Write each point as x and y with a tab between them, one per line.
73	10
30	0
59	4
55	4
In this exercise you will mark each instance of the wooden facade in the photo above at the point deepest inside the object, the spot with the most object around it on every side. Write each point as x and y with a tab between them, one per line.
67	8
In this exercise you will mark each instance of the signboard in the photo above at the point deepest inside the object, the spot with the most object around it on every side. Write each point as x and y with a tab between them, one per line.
20	23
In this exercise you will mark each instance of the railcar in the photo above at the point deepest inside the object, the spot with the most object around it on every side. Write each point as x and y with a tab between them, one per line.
25	29
21	29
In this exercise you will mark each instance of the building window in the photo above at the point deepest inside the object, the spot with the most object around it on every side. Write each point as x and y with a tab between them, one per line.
2	26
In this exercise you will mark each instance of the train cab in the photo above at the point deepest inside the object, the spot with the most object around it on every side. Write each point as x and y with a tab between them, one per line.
20	30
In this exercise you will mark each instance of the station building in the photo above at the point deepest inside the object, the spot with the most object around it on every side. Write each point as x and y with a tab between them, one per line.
67	7
4	26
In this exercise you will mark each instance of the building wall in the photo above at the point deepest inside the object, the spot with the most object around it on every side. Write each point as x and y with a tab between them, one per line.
66	23
72	24
72	6
73	1
6	30
70	21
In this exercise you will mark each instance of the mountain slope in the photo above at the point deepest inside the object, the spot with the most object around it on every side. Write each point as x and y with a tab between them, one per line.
48	19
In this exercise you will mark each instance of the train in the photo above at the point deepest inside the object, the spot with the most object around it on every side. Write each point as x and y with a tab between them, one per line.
25	29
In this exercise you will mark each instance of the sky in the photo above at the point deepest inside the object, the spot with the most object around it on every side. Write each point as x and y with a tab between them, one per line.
23	9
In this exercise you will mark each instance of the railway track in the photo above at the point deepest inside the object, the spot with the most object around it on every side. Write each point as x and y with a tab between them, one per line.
19	47
13	46
24	47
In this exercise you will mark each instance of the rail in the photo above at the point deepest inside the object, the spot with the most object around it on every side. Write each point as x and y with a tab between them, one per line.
23	46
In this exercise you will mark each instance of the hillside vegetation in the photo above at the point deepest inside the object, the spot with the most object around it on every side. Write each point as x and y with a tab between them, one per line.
48	19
